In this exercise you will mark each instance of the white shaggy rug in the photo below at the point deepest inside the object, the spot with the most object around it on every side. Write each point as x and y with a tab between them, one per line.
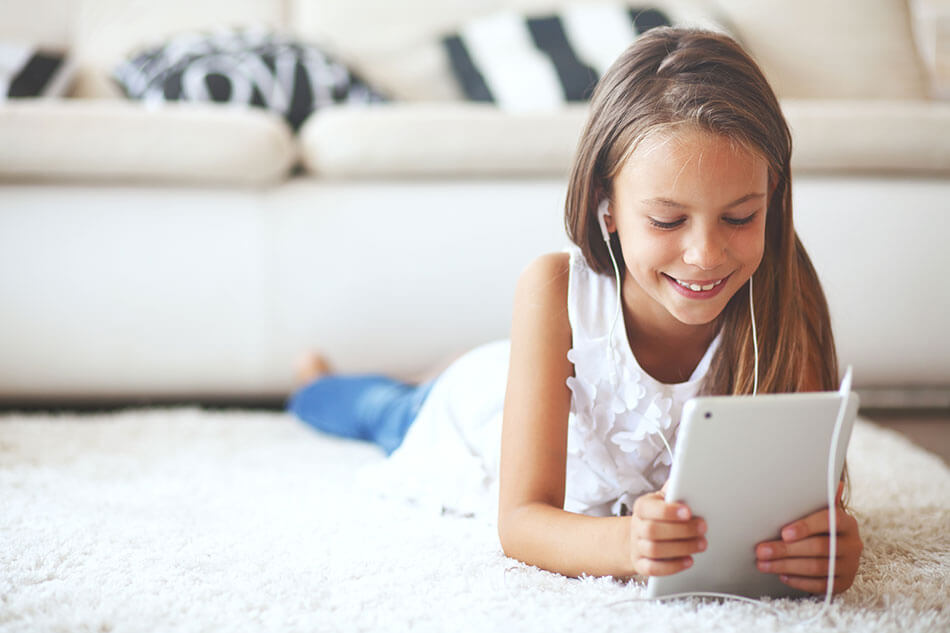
183	519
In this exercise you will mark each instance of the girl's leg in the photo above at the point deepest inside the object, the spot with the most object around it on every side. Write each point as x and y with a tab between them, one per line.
367	407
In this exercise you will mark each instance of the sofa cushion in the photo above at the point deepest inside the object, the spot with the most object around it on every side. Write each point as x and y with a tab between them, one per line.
471	140
251	67
523	62
931	22
113	141
845	50
46	23
30	71
400	50
449	139
870	136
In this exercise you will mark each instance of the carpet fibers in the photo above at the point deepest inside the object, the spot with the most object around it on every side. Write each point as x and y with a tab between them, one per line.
183	519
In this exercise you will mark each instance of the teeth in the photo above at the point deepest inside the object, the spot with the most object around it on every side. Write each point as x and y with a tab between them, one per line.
697	287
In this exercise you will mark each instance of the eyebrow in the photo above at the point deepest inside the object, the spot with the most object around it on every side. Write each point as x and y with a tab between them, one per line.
668	202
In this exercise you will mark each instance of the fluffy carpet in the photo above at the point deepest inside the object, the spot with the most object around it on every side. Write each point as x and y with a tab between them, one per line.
184	519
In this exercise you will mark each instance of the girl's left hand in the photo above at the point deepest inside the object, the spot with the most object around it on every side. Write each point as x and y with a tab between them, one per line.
801	557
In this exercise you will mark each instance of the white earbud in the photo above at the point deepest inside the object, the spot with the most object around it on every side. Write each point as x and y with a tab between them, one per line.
602	214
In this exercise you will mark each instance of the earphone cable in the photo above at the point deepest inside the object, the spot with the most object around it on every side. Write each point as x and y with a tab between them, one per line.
613	325
755	343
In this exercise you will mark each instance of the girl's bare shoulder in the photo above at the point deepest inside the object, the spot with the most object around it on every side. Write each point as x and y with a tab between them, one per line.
542	289
547	275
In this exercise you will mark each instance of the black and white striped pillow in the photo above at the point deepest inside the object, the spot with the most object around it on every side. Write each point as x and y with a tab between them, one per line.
28	71
243	66
527	63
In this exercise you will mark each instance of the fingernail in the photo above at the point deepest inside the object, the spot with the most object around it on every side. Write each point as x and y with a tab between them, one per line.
764	565
789	533
765	550
702	545
683	513
702	527
689	561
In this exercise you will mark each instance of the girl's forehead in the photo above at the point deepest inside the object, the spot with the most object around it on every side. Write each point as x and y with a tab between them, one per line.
667	156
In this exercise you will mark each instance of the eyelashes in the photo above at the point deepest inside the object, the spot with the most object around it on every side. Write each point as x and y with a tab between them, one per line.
666	225
672	225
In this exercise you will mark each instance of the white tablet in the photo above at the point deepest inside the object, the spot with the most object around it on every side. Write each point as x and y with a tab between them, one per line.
749	465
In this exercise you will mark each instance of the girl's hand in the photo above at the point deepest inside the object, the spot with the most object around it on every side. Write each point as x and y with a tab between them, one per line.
663	535
801	557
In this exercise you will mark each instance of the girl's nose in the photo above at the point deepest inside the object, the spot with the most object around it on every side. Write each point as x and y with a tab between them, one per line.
704	249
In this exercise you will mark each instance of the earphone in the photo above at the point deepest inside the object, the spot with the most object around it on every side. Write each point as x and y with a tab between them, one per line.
602	213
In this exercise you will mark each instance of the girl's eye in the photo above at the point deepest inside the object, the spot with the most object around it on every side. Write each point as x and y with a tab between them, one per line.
741	221
666	225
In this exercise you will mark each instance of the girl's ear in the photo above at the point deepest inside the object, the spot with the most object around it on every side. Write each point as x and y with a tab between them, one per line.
609	220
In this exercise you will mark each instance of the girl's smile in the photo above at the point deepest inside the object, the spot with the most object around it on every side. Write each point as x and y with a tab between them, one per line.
697	289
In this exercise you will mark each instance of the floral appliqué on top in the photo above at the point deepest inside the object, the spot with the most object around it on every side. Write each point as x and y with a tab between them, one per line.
620	415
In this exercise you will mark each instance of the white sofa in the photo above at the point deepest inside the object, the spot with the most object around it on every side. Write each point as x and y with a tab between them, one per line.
195	251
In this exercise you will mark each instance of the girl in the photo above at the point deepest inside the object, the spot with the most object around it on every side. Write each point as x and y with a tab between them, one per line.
679	203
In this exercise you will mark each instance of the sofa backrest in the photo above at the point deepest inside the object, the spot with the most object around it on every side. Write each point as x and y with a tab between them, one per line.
39	22
105	31
807	48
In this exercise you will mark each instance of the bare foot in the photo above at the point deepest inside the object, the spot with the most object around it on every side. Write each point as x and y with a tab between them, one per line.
311	366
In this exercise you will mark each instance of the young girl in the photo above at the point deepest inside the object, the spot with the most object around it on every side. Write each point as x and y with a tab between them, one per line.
679	210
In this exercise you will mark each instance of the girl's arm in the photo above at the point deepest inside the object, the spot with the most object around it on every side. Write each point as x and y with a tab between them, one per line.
532	525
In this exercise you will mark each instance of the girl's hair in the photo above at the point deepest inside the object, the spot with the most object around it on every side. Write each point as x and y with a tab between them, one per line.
674	77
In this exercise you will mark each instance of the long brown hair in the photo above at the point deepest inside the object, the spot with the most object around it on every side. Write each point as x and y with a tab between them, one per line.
672	77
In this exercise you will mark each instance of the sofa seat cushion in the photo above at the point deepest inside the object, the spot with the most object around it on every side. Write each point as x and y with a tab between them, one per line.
117	140
468	139
445	139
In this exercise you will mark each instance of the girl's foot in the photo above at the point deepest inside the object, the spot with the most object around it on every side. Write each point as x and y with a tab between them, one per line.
311	366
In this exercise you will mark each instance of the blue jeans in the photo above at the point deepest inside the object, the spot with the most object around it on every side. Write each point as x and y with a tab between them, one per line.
368	407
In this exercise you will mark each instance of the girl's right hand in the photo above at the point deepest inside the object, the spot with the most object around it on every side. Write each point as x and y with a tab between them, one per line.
663	536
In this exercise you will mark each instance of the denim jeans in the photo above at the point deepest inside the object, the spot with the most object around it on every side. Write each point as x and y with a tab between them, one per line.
368	407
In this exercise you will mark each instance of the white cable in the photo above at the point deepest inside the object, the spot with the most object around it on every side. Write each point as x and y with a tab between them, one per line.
610	336
755	343
832	490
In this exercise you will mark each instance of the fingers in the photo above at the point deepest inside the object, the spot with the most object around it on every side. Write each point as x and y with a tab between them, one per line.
669	530
801	557
651	567
654	507
817	523
670	549
816	585
664	536
815	567
813	546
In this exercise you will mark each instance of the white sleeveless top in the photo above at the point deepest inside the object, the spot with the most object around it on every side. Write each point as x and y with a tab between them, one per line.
449	459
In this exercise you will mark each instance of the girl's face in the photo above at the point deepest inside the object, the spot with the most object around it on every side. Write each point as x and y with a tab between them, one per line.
689	207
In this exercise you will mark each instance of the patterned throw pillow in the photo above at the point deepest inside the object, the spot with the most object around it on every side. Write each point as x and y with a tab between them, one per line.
27	71
525	63
247	67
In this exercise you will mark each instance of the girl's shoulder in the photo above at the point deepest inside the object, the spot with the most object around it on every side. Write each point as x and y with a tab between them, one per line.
541	293
547	276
